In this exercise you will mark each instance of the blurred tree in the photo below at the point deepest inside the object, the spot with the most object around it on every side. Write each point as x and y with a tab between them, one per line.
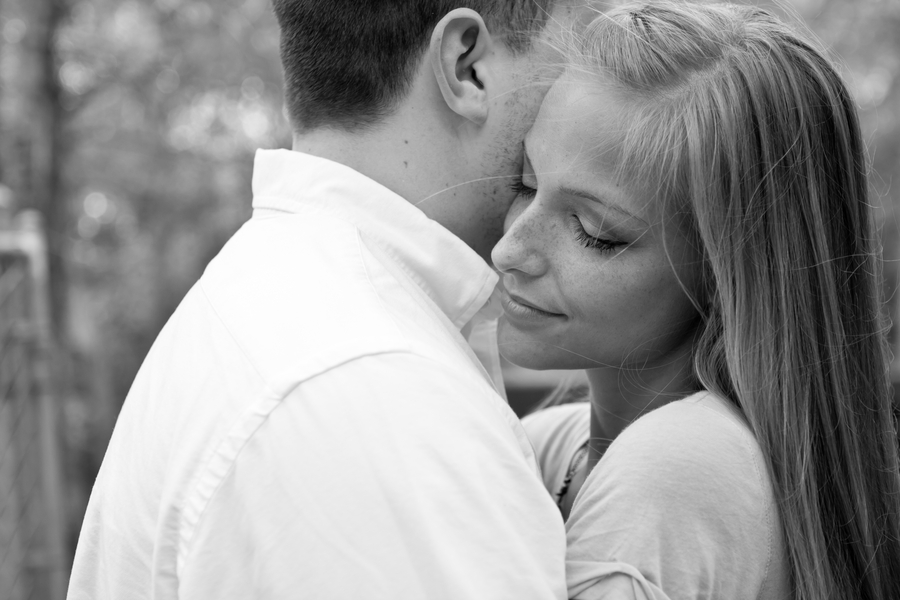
32	152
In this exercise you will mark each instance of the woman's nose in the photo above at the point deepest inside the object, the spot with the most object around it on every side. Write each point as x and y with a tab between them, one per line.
519	248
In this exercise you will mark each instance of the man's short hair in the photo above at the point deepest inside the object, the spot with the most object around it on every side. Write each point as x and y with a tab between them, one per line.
348	62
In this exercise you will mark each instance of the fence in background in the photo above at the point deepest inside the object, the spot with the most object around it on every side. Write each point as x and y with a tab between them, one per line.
33	562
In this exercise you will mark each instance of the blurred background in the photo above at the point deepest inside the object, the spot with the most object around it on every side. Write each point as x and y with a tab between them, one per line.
127	133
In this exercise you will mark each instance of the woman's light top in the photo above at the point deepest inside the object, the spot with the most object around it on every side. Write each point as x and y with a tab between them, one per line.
680	506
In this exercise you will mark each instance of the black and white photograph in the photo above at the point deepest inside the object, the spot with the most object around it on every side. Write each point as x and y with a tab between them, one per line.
449	299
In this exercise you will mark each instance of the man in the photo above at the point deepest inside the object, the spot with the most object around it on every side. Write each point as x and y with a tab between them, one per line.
312	422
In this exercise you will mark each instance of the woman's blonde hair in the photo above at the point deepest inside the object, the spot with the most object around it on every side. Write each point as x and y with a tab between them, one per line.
745	129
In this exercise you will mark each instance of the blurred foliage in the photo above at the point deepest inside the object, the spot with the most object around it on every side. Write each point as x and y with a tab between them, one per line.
160	105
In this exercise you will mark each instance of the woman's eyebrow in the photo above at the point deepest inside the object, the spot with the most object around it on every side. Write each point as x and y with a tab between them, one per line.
610	205
582	193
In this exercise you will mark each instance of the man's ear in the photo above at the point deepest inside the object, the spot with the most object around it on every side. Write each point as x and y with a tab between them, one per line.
460	43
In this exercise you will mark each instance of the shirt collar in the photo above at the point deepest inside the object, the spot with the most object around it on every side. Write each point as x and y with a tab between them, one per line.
453	275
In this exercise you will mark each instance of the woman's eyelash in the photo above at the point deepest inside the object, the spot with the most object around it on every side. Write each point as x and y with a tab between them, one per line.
589	241
520	189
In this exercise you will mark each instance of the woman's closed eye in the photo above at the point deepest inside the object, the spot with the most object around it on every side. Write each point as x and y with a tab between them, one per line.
586	234
587	238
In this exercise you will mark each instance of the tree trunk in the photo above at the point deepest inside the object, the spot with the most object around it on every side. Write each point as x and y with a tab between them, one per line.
34	154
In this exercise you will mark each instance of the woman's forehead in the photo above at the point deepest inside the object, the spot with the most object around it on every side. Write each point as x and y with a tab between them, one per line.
581	120
578	137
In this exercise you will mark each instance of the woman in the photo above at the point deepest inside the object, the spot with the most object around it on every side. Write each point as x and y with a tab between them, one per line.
692	228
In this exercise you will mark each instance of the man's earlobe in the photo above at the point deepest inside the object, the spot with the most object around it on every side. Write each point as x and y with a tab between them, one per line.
459	46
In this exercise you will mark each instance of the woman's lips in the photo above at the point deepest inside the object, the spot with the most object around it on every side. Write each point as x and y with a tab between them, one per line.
521	309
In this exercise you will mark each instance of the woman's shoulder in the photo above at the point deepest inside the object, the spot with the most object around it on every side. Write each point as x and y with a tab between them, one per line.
701	444
556	433
683	495
703	422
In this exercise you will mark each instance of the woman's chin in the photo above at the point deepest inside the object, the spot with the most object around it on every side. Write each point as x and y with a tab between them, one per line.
533	353
520	350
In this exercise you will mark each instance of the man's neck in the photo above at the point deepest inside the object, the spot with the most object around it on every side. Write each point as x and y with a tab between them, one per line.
418	157
399	153
423	151
371	153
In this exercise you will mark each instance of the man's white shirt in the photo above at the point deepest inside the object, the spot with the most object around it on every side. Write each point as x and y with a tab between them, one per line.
311	422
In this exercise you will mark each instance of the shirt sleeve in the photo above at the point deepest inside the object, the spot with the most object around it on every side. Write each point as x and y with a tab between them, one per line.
385	478
677	508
